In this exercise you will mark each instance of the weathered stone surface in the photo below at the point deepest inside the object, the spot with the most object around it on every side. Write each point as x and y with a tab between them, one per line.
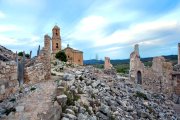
96	83
62	99
20	108
68	77
54	113
59	90
65	118
8	79
70	111
39	68
105	109
156	78
70	116
110	97
6	54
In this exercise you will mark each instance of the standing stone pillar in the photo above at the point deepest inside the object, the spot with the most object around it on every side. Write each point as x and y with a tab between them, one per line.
30	54
136	49
38	51
47	56
107	64
178	53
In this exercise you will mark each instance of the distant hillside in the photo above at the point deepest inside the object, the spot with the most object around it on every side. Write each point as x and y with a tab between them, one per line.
93	62
172	58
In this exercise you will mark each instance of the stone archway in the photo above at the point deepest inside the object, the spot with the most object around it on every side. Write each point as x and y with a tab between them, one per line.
139	77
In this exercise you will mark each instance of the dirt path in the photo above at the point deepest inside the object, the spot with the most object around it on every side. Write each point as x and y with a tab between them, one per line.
37	101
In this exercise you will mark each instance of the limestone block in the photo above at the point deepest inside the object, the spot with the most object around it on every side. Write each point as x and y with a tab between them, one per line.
19	108
59	90
62	99
2	89
13	76
2	63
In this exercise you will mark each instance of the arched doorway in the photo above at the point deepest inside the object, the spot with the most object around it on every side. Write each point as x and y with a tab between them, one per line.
139	77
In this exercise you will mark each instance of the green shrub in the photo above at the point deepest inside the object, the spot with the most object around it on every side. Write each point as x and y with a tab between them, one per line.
10	110
148	64
20	54
71	98
33	88
27	55
87	109
64	108
80	91
100	66
141	95
80	78
12	100
93	96
122	68
53	74
150	109
61	56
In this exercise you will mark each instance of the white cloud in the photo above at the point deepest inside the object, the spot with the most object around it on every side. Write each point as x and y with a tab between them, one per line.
89	28
9	28
136	33
31	41
2	15
110	49
91	23
4	40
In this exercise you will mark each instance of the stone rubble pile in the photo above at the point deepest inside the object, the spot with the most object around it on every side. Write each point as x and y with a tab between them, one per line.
103	96
6	54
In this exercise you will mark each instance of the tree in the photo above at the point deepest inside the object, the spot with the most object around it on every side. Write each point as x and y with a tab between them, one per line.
20	54
27	55
61	56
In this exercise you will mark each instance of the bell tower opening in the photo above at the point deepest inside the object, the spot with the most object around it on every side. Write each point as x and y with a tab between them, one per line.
56	32
57	45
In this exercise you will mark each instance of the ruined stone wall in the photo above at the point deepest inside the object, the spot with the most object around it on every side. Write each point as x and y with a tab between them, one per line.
157	78
6	54
176	83
135	66
8	78
176	79
178	53
35	73
158	81
41	68
107	64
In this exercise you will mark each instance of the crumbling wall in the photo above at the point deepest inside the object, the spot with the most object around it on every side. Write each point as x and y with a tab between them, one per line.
157	78
6	54
35	73
176	79
135	65
8	78
40	67
107	64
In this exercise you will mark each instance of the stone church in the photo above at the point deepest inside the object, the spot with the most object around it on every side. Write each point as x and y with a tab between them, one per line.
73	56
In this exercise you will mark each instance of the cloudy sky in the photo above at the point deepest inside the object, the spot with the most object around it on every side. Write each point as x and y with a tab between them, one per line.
97	27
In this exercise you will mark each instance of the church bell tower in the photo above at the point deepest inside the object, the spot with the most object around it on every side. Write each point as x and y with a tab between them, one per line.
56	39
